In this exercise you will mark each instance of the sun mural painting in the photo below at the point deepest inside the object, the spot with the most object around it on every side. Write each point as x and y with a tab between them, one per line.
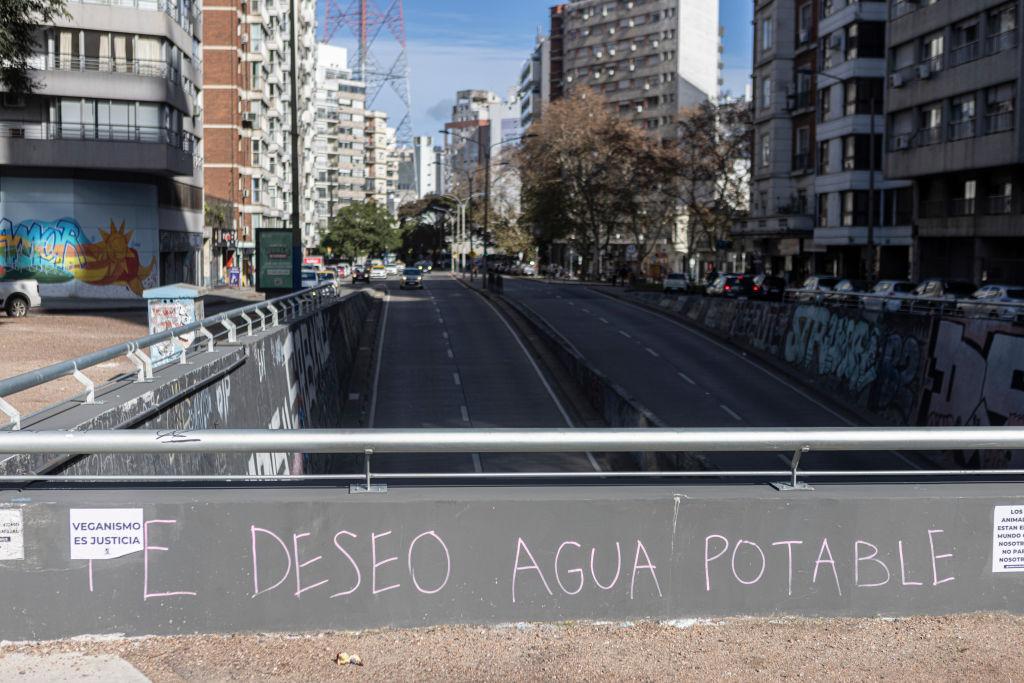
54	252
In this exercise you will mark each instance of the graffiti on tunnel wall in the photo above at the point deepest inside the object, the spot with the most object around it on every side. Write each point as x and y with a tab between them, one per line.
834	345
56	252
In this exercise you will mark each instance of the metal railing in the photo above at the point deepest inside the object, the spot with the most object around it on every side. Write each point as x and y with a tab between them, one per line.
1008	311
116	65
228	323
796	443
98	132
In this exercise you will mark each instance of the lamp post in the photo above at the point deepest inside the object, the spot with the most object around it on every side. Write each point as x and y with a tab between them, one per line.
485	154
872	107
462	204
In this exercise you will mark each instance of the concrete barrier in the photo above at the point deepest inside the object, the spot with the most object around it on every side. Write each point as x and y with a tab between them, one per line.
892	368
609	399
289	376
285	560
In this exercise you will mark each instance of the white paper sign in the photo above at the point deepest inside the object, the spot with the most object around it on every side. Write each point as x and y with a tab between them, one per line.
103	534
1008	538
12	535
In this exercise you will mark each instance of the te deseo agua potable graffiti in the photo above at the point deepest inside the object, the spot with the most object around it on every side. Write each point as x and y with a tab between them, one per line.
54	252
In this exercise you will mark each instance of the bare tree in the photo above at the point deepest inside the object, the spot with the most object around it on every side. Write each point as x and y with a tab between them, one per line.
713	171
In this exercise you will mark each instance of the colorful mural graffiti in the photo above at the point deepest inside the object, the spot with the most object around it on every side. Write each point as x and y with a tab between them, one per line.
55	252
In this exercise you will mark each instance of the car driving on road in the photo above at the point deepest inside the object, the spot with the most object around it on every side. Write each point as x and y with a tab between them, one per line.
412	278
379	273
310	278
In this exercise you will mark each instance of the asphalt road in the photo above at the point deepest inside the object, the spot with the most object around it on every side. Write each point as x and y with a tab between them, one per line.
447	359
686	378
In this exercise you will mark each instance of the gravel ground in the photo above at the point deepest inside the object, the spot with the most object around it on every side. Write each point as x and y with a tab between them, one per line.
965	647
41	339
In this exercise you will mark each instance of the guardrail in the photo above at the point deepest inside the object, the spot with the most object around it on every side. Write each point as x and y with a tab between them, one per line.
967	308
368	443
286	306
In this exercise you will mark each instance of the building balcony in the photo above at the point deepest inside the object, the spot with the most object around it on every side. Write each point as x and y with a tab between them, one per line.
795	225
97	147
890	236
131	79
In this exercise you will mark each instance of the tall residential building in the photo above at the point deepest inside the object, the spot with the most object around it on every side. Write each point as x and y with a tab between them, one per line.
379	157
468	130
340	141
101	183
649	59
248	120
954	110
535	83
426	158
819	201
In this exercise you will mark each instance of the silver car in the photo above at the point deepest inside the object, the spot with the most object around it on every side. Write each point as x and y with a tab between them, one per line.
19	296
1005	302
412	278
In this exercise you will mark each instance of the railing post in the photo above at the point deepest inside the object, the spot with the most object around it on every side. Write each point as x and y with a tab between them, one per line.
275	319
11	412
248	322
794	484
209	338
232	330
368	486
90	387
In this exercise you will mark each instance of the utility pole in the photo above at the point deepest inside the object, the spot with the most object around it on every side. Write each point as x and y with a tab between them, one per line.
296	217
487	206
871	196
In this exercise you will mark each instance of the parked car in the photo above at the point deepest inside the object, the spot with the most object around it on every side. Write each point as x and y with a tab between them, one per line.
939	294
676	283
768	287
529	270
888	295
815	288
360	274
732	286
1005	302
18	297
310	278
845	291
379	273
412	278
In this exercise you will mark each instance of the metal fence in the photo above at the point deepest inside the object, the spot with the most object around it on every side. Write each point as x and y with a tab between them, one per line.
366	444
222	327
1008	311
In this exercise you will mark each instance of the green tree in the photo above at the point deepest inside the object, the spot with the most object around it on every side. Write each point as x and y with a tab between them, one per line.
19	26
361	229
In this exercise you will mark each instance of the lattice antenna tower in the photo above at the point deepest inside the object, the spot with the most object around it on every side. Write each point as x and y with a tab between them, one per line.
375	23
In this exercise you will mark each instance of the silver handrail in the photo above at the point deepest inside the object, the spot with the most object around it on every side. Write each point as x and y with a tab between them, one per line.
368	443
33	378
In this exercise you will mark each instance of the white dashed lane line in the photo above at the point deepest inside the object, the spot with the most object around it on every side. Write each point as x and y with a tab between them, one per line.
458	380
730	412
451	354
465	414
652	352
627	335
603	320
687	378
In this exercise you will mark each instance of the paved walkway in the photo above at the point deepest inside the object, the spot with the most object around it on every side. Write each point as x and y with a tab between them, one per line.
69	666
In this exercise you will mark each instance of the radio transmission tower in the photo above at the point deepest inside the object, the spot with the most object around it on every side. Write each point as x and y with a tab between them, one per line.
375	24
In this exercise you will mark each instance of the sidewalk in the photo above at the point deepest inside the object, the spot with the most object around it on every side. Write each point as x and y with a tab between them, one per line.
215	296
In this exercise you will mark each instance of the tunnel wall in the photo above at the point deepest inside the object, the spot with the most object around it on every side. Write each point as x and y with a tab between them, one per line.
289	376
894	368
294	560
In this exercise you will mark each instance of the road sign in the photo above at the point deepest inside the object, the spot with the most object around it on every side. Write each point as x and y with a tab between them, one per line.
274	263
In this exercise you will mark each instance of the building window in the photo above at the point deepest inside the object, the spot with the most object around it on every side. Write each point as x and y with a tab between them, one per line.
932	50
965	45
803	23
860	92
965	204
767	34
802	155
999	108
1000	201
865	40
855	208
824	103
766	150
857	153
823	210
1002	29
930	129
961	117
766	93
823	161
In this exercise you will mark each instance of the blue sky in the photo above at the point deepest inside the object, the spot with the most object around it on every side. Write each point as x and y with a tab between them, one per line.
462	44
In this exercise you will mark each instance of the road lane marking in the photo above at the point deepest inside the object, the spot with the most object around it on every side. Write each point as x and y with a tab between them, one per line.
444	334
440	320
652	352
451	354
730	412
603	320
586	310
687	378
627	335
380	357
353	396
458	380
465	414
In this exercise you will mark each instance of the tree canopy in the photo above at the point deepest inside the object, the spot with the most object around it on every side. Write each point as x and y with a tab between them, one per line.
361	229
19	25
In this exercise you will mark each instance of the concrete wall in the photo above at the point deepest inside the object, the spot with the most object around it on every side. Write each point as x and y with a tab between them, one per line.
314	559
289	377
893	368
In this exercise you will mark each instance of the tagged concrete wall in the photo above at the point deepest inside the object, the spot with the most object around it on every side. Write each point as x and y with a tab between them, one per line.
314	559
895	368
288	377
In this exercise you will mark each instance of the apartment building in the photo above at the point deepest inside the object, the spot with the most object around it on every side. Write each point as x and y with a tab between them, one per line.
428	166
649	58
466	134
379	158
819	200
535	83
954	113
101	180
247	122
339	145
